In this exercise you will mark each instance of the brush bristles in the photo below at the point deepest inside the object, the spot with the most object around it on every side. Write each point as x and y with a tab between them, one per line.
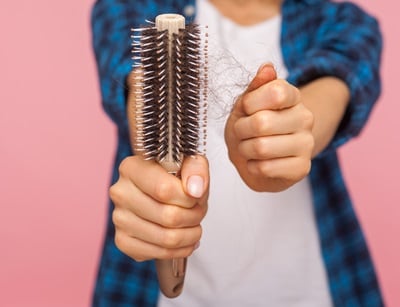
170	78
151	93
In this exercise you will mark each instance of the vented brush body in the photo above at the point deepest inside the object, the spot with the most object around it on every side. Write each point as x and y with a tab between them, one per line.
170	90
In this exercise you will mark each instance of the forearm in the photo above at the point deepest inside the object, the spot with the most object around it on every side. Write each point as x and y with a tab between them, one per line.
327	98
111	21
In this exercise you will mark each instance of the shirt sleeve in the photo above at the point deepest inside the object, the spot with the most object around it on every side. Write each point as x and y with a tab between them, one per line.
111	31
348	46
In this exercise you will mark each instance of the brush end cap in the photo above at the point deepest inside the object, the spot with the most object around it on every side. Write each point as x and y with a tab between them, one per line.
170	22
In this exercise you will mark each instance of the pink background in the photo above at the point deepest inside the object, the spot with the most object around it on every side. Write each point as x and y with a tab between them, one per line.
56	149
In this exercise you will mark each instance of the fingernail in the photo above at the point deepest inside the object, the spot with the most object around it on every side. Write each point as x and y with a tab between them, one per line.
264	66
195	186
197	245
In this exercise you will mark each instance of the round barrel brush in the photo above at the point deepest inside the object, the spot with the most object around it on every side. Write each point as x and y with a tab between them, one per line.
170	113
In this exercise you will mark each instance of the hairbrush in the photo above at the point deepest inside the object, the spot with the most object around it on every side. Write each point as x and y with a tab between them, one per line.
170	91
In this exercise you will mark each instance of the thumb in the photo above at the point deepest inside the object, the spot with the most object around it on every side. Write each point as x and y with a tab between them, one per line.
265	74
195	175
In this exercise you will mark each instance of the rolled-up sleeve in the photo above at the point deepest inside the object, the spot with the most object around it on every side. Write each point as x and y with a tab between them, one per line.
111	42
346	45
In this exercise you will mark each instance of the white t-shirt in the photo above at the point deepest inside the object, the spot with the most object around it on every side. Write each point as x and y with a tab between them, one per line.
257	249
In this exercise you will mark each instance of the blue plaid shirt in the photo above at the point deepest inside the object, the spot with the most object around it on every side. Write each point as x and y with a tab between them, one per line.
319	38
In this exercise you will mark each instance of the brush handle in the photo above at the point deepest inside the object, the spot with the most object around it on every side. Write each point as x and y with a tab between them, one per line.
171	276
171	272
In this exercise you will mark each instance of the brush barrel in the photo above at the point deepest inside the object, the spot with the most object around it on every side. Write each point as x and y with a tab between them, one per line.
171	273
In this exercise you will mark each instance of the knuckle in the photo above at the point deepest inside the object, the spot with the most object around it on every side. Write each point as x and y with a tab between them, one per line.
252	168
116	194
308	118
279	92
237	129
310	143
267	169
260	123
245	101
117	218
120	241
163	190
261	147
170	216
124	166
171	239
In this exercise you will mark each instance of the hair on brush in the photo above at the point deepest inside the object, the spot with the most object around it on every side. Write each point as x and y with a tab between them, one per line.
170	78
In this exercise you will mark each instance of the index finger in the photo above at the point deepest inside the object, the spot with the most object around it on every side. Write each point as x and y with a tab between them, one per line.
154	181
275	95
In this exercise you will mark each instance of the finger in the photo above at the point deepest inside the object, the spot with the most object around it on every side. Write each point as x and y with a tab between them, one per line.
290	168
142	251
275	95
138	228
195	175
267	122
169	215
265	73
272	147
150	178
126	195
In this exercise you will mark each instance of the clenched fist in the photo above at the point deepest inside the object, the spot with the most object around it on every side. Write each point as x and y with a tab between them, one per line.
158	215
269	133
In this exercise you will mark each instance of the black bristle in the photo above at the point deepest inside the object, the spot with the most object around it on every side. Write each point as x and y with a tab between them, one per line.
187	78
183	95
154	112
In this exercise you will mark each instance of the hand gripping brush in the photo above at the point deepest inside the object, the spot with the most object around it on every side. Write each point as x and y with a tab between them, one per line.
170	92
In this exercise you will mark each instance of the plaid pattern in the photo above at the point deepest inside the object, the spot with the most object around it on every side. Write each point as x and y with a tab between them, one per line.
319	38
